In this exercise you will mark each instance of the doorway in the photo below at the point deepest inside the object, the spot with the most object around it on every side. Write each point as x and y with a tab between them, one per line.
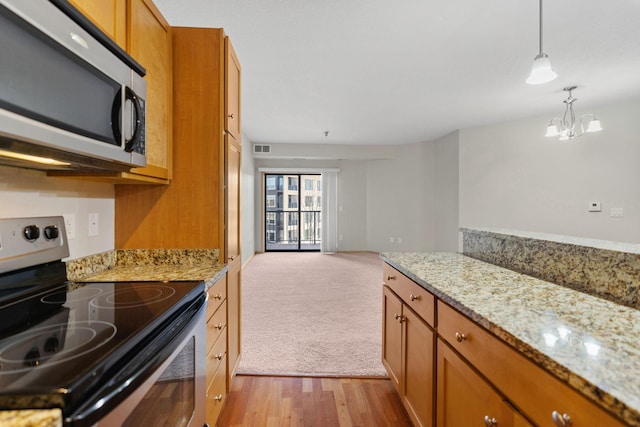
293	208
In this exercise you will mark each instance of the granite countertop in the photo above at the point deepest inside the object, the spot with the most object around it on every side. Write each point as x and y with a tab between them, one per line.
31	418
142	265
587	342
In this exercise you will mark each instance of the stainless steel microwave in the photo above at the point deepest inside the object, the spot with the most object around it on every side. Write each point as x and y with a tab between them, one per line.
70	98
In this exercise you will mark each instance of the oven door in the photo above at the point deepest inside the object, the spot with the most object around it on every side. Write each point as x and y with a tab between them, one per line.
173	394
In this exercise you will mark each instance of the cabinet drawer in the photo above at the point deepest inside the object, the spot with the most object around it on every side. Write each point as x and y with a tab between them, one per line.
215	356
216	395
414	295
531	389
217	294
216	325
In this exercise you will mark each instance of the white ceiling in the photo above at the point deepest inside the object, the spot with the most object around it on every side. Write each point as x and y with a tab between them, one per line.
392	72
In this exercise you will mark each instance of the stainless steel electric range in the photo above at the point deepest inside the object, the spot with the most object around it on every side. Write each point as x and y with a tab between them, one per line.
107	354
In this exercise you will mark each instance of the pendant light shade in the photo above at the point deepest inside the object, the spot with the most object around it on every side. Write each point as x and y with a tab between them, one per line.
541	71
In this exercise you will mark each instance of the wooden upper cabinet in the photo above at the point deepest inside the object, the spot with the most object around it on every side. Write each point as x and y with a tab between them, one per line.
149	42
232	94
109	15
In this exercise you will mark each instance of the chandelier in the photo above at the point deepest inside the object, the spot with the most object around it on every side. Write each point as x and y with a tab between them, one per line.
567	127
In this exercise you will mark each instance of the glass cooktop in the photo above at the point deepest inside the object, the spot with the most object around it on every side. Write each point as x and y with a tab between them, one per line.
73	338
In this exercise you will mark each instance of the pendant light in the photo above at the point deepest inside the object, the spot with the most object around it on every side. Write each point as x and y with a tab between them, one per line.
541	71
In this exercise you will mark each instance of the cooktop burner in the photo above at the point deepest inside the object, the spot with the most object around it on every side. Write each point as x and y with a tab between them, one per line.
128	298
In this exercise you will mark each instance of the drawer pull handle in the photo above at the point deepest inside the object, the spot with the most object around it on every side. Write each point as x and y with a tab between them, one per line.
563	420
414	297
460	337
219	356
218	398
219	296
490	422
399	318
219	326
391	277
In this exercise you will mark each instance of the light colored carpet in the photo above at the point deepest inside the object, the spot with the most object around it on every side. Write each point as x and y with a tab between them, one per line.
312	313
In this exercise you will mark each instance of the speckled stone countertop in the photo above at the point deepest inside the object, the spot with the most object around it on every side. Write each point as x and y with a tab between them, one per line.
609	270
599	355
31	418
148	265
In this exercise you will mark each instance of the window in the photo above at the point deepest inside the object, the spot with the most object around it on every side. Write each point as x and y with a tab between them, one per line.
271	183
319	185
293	183
293	202
318	202
271	200
292	212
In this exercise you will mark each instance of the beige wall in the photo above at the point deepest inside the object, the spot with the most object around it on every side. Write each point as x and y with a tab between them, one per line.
511	176
26	193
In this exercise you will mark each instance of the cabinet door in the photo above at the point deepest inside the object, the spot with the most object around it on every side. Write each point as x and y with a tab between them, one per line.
109	15
464	398
418	369
150	44
232	93
392	336
234	314
232	178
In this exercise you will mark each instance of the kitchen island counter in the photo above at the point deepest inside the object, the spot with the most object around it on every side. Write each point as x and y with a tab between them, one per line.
589	343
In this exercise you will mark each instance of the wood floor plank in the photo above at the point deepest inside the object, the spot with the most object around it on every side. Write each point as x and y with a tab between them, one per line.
257	401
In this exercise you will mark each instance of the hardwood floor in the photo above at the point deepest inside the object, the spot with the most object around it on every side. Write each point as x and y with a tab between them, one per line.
312	402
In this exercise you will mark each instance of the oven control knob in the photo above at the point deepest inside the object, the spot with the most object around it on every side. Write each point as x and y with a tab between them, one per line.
51	232
31	232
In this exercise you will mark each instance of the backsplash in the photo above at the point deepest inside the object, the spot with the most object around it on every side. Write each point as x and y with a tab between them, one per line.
609	270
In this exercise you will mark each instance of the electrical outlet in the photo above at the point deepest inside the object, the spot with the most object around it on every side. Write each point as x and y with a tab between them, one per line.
390	239
93	224
399	240
340	238
70	225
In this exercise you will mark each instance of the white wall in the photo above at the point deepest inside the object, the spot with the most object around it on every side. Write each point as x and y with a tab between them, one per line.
352	205
446	197
247	200
26	193
400	200
511	176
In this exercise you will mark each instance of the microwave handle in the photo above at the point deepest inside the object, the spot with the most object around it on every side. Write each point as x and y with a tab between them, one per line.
116	108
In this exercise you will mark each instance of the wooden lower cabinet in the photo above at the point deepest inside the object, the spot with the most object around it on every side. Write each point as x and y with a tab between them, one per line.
408	349
450	372
233	318
216	350
466	399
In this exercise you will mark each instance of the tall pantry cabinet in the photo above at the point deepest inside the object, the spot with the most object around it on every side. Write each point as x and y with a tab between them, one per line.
201	206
